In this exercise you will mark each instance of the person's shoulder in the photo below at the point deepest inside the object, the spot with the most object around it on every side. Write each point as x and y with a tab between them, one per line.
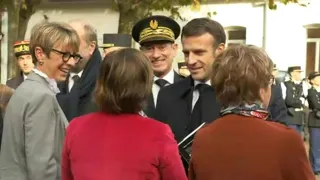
177	87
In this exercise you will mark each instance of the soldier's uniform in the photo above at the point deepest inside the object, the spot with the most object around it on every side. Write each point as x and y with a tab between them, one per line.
20	48
314	124
115	41
295	100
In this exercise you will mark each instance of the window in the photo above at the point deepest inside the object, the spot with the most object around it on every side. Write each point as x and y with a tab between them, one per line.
313	48
235	35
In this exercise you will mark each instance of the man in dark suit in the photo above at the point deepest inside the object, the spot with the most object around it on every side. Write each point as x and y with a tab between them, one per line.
277	107
190	102
113	42
24	63
156	36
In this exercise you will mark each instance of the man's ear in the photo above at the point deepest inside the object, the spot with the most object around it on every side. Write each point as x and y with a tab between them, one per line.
220	48
92	47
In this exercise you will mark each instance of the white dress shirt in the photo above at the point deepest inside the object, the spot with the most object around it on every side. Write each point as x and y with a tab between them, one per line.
196	94
155	88
71	81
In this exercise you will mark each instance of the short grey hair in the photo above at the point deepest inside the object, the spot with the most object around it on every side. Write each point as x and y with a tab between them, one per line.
90	33
49	34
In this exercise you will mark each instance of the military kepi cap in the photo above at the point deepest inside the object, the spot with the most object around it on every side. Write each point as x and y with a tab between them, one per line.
313	75
21	48
155	28
294	68
119	40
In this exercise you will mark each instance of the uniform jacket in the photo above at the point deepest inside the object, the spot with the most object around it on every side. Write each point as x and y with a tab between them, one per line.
238	147
294	93
33	133
149	110
121	147
314	106
15	82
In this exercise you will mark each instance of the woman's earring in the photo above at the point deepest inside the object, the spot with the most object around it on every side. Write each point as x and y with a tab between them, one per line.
40	63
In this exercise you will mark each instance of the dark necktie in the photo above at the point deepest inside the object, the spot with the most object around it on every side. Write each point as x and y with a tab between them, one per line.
76	80
196	116
161	83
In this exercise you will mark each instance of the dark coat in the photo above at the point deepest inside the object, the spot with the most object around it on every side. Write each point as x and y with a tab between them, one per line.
15	81
314	106
293	94
174	107
277	106
149	110
79	101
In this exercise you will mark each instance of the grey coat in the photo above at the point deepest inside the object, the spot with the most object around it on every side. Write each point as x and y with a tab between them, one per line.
33	133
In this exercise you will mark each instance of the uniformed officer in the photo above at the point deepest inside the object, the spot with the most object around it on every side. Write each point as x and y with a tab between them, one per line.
24	63
314	121
295	98
112	42
156	36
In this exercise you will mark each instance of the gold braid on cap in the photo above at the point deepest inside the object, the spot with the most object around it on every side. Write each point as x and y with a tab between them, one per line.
21	48
160	31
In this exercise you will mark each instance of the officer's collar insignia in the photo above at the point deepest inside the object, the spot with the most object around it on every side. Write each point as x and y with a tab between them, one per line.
153	24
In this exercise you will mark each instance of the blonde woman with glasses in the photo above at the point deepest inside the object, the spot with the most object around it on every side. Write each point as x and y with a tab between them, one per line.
34	124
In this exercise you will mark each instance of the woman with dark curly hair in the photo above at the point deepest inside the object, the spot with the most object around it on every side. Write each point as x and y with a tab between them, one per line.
241	144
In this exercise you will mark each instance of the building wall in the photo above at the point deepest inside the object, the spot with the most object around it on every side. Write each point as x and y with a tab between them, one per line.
286	35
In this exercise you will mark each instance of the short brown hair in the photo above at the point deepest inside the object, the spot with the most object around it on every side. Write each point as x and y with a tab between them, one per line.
124	82
239	73
48	34
200	26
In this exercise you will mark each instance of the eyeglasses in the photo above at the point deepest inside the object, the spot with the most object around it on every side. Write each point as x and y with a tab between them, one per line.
66	56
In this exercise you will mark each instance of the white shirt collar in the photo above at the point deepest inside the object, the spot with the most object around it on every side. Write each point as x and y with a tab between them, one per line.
199	82
296	82
52	82
73	74
168	77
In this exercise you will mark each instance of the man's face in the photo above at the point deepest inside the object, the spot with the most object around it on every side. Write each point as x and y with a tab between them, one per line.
199	55
25	63
161	56
296	75
275	73
85	50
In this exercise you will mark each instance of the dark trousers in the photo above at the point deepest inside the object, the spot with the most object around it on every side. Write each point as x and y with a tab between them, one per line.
314	150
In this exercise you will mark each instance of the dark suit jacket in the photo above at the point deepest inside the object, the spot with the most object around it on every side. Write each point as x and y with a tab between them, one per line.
174	107
122	147
277	106
149	110
246	148
15	82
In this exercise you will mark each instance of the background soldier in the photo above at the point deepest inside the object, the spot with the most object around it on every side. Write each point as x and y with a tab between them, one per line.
156	36
314	121
295	98
112	42
24	62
